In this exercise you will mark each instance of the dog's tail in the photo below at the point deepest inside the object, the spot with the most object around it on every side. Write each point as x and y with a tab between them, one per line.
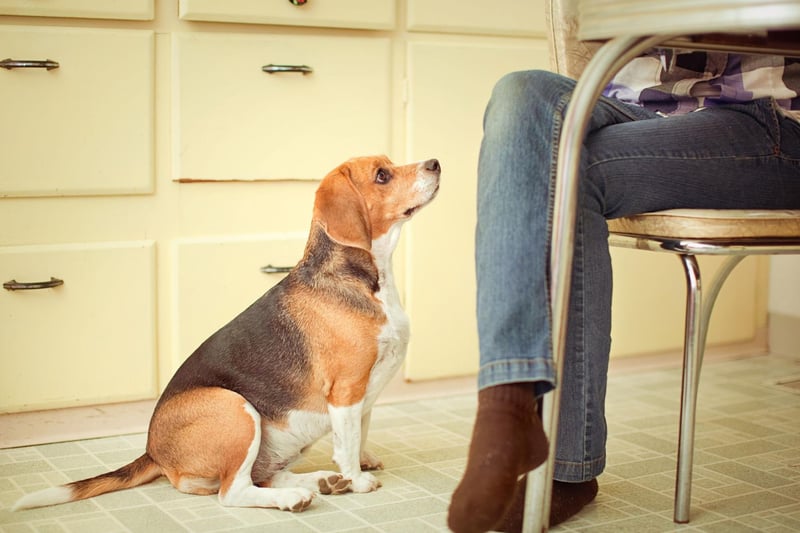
142	470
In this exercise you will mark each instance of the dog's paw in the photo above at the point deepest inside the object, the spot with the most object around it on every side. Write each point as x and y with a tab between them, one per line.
334	484
294	500
369	461
365	482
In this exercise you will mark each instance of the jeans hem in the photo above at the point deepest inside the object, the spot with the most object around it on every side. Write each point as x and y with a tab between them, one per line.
517	371
578	472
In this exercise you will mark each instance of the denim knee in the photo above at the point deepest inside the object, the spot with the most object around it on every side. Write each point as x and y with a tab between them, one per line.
519	89
521	102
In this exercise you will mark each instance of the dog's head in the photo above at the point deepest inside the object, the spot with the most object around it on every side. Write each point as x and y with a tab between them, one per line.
362	199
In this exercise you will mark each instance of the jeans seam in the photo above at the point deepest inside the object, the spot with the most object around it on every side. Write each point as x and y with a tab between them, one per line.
660	157
558	118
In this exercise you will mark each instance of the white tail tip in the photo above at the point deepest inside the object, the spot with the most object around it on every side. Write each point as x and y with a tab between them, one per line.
42	498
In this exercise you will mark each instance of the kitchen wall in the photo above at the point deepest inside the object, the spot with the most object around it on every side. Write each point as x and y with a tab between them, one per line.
784	305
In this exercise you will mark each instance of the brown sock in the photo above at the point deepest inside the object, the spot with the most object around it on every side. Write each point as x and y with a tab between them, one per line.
507	441
567	499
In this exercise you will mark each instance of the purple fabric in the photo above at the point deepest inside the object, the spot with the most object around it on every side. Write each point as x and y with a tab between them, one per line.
673	82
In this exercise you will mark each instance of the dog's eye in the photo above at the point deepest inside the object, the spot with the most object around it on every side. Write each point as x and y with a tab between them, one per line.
382	176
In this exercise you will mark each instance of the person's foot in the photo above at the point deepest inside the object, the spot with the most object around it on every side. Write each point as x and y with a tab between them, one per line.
507	442
567	500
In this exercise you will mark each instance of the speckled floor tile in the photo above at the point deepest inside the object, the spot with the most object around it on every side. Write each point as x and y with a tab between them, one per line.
746	476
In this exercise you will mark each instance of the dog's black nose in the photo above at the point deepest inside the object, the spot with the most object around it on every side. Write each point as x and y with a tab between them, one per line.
433	165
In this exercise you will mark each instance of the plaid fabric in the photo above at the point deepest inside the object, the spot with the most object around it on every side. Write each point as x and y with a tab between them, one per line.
673	82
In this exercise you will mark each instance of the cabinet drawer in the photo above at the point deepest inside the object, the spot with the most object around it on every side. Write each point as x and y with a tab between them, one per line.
364	14
512	17
233	121
85	127
217	278
94	9
90	340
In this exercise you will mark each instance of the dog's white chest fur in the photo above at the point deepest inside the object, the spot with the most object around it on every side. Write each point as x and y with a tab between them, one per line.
393	338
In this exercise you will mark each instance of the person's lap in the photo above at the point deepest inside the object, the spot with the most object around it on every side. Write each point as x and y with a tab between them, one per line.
742	156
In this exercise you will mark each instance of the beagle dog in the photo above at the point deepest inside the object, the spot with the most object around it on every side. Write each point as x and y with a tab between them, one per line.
308	357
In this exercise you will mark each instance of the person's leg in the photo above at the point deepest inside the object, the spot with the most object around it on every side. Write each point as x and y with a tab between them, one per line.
740	156
521	128
751	147
515	173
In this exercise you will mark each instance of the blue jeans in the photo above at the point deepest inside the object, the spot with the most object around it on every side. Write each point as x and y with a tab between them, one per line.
738	156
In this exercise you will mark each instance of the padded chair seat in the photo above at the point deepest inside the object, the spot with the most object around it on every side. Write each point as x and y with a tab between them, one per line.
710	224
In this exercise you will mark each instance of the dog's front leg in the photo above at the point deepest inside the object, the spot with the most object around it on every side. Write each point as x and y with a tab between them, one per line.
368	460
346	425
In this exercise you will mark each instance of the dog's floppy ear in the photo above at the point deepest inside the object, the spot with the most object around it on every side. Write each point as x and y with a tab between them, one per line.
342	211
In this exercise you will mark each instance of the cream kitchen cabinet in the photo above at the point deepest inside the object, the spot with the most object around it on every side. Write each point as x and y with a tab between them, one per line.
216	278
78	310
363	14
77	323
118	9
247	123
80	122
649	300
444	115
511	18
98	152
181	167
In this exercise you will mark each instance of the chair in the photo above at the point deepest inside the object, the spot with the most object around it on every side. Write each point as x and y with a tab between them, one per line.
689	233
628	29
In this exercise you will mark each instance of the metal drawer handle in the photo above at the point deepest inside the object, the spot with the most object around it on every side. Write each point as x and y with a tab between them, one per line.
9	63
15	285
273	69
269	269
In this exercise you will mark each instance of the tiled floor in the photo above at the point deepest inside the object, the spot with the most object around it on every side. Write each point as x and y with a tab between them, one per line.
746	477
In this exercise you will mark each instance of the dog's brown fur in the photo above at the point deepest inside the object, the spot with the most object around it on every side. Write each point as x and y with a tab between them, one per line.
310	354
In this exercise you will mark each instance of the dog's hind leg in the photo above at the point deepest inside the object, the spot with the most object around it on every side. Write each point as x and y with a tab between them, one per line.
208	439
237	488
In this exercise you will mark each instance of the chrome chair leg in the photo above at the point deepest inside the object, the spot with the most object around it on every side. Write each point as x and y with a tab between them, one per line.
694	309
698	316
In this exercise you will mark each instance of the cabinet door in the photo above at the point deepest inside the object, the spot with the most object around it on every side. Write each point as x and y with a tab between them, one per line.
91	340
511	17
217	278
85	127
234	121
118	9
449	86
649	302
366	14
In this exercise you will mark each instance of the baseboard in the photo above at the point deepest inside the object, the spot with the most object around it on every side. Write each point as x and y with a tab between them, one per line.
74	423
783	336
